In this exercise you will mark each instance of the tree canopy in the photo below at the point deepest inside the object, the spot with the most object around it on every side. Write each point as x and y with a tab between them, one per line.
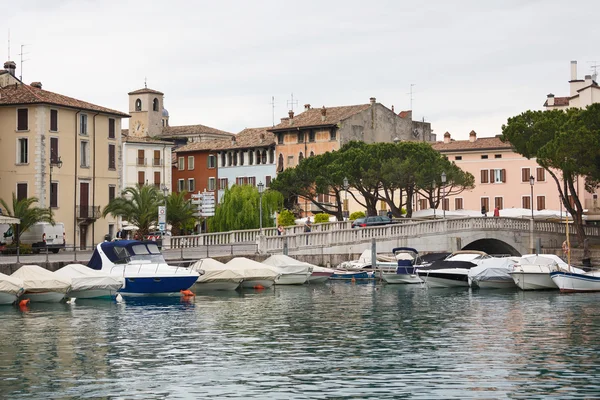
180	212
23	209
137	205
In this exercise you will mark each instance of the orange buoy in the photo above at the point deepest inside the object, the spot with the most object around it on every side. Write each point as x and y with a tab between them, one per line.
24	303
187	293
353	279
259	287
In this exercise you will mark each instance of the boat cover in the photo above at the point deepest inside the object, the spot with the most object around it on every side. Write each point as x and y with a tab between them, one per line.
84	278
215	271
252	270
38	280
10	284
495	268
552	261
444	264
316	268
287	265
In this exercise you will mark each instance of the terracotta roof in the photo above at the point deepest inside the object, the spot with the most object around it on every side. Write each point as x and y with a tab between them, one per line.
246	139
558	102
312	117
198	146
146	90
485	143
404	114
592	85
146	139
185	130
25	94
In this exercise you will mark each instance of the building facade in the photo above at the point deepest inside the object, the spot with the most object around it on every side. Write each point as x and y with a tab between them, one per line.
195	168
582	92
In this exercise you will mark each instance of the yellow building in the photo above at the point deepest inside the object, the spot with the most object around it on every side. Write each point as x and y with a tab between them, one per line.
64	151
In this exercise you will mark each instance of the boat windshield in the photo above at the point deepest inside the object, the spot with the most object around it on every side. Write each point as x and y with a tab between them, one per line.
148	252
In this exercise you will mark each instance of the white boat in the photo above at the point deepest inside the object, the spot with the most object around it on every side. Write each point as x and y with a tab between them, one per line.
143	267
41	285
404	270
256	275
453	271
87	283
493	273
290	270
10	289
572	282
320	274
217	276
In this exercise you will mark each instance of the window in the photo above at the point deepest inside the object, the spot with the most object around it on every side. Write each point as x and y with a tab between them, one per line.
300	157
264	156
239	181
267	181
190	163
223	183
526	202
423	204
22	151
84	156
21	191
280	163
300	137
458	204
212	161
252	181
211	184
499	202
290	161
111	128
458	158
155	104
53	150
311	136
53	194
141	178
271	156
53	120
181	163
180	185
540	174
141	158
485	203
222	159
241	158
280	137
497	155
111	157
446	204
258	157
83	124
235	158
156	161
312	153
191	185
497	175
250	157
484	176
138	105
112	192
484	156
157	179
229	159
525	175
541	203
22	119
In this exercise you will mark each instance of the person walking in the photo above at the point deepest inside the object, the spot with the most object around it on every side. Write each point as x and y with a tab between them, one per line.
483	211
390	215
496	211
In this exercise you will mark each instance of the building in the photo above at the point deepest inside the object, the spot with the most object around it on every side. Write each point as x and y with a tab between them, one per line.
195	168
62	151
582	92
146	161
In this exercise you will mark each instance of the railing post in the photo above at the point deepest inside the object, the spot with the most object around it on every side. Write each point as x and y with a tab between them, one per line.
285	246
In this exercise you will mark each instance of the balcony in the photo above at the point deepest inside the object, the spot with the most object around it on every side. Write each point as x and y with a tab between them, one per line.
157	162
87	212
141	162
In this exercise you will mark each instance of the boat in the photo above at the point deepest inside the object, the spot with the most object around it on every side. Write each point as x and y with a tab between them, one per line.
453	271
405	270
290	270
87	283
10	289
320	274
41	285
362	267
143	268
217	276
532	272
256	275
343	274
493	273
572	282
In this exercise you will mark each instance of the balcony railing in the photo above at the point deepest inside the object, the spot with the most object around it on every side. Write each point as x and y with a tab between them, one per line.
157	162
88	212
141	161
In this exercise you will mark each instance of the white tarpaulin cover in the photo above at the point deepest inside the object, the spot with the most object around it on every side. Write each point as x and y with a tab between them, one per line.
493	269
552	261
288	265
316	268
85	278
216	271
10	284
38	280
251	269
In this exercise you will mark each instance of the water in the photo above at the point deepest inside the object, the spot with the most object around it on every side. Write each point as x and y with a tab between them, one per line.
355	341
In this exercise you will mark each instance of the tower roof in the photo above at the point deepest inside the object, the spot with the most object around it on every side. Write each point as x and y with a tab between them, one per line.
146	90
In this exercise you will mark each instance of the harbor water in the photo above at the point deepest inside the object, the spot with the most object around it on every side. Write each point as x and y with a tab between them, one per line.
339	340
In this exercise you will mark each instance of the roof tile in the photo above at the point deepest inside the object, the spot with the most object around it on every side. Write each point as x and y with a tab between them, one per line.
467	145
313	117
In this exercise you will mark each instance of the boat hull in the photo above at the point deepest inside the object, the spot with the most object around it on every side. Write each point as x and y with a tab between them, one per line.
257	283
44	297
319	277
292	279
401	278
571	282
157	286
533	280
494	284
7	298
351	275
200	287
93	294
455	277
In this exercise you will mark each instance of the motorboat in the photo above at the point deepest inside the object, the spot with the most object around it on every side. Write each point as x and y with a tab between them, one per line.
291	271
41	285
405	269
532	272
10	289
87	283
453	271
256	275
143	268
493	273
343	274
362	268
217	276
572	282
320	274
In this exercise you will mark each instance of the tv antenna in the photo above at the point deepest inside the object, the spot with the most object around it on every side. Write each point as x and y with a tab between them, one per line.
594	66
291	103
411	95
273	108
22	61
9	45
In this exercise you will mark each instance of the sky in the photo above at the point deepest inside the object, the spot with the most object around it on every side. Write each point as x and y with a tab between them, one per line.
470	64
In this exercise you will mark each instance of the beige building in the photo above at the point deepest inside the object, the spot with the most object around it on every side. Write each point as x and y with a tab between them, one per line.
63	151
582	92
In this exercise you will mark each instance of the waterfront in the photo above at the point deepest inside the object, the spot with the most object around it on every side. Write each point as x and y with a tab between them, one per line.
339	340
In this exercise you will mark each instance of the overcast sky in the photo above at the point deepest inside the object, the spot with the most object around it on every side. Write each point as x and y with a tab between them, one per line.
473	64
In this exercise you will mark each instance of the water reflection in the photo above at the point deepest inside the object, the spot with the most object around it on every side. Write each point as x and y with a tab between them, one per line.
338	340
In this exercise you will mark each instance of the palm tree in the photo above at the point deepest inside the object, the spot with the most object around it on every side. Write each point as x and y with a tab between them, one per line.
137	205
23	210
179	211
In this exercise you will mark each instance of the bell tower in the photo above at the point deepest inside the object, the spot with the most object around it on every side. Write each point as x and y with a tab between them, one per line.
145	107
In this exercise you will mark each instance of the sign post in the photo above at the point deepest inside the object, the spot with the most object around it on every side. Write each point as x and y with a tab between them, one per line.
162	218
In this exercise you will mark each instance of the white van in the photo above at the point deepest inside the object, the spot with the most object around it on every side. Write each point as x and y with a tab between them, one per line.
43	235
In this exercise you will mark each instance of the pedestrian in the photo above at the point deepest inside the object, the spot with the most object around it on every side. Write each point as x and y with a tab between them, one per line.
390	215
280	230
483	211
496	211
565	249
307	226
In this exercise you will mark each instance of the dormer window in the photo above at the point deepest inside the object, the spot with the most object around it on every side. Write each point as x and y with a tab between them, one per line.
155	105
138	105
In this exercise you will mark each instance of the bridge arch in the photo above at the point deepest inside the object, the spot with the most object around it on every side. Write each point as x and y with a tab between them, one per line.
492	246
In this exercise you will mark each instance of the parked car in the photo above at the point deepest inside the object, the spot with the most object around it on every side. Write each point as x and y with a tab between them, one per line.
371	221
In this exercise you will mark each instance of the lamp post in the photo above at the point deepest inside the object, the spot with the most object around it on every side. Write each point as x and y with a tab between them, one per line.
261	189
346	185
54	163
531	182
165	190
444	193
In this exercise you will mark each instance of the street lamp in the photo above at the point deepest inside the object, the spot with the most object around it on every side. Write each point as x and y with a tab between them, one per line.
54	163
444	193
261	189
346	185
531	182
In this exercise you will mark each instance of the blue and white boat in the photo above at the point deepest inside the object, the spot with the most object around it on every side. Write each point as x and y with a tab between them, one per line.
404	270
143	268
573	281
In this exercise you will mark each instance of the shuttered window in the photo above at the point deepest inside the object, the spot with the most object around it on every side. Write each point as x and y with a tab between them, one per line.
499	202
141	158
54	150
157	179
111	128
22	119
541	203
112	164
458	204
423	204
267	181
21	191
111	192
485	203
446	204
484	176
141	178
54	120
525	175
54	194
526	202
540	174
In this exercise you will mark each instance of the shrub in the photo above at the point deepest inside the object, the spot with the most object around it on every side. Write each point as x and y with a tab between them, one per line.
12	249
286	218
356	214
321	217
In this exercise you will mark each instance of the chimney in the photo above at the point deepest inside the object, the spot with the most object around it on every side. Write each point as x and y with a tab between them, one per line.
284	119
323	113
372	100
233	140
447	137
573	70
291	114
550	100
36	85
262	137
11	67
472	136
306	107
392	108
588	79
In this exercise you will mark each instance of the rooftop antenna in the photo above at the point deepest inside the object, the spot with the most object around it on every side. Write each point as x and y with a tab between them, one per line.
146	82
9	45
411	95
594	66
273	107
22	61
291	103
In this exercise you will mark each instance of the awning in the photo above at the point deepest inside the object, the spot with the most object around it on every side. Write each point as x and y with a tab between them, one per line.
9	220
